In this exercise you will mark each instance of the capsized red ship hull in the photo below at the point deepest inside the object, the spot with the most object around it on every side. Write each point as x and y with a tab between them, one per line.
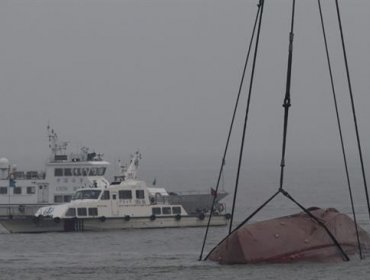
292	238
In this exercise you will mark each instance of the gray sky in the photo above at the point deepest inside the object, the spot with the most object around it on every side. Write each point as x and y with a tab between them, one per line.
162	76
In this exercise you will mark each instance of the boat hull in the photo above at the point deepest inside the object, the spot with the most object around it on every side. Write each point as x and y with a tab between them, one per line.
193	203
292	238
29	224
7	210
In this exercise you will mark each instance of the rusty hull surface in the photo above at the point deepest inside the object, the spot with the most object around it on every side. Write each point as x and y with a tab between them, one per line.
292	238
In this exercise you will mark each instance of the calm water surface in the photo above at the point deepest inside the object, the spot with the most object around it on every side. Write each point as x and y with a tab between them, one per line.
173	253
143	254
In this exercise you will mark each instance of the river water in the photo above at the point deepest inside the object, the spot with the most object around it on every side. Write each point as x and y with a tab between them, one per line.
174	253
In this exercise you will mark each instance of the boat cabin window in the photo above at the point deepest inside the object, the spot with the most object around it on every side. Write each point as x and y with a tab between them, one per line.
126	194
71	212
62	198
32	175
76	171
3	190
58	172
19	175
105	195
92	171
31	190
176	210
93	211
17	190
166	210
58	198
85	171
140	194
156	211
81	212
114	196
67	172
86	194
101	171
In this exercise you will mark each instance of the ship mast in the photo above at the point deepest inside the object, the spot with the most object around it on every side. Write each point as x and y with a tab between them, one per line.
57	147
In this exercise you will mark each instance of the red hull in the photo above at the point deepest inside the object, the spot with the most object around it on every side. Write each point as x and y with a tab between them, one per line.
291	238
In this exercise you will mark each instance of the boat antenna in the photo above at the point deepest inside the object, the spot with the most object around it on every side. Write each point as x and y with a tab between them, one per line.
220	174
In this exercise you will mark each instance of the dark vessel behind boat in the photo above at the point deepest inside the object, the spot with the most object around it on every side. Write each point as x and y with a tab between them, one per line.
195	202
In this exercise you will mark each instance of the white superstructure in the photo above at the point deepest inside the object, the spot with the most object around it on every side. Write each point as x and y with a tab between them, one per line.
23	192
128	203
129	199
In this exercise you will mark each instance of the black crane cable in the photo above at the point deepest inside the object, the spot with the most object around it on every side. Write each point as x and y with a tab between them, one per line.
339	128
331	236
286	103
286	106
245	221
246	114
230	130
353	108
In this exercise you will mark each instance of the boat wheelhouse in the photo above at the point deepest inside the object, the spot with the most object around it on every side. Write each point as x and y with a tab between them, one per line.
127	205
194	202
23	192
129	199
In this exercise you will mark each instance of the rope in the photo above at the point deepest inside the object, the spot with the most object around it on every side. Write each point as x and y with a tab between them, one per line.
246	114
244	222
353	109
286	106
286	194
332	237
339	128
230	130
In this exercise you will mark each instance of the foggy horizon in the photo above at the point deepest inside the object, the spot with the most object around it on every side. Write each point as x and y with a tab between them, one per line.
162	77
